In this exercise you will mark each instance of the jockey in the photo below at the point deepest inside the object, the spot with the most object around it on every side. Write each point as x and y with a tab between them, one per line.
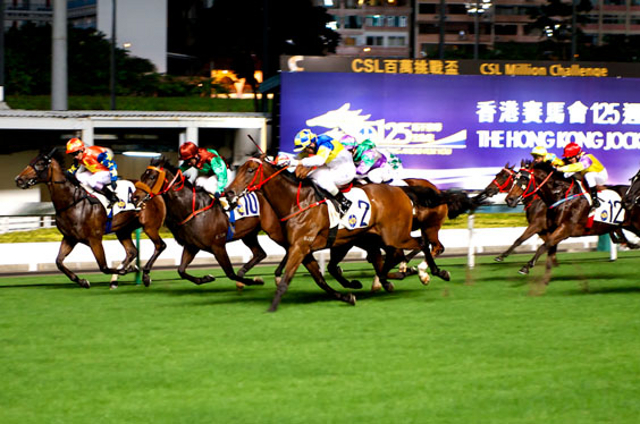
585	164
372	163
540	154
334	164
94	166
204	168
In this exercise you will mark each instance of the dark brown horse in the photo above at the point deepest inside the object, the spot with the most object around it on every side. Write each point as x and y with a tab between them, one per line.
199	222
307	222
568	209
535	210
82	219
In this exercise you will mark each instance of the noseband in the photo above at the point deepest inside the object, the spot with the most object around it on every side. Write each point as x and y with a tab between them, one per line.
504	187
161	185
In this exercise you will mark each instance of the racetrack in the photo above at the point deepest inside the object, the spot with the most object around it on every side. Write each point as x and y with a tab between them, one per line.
489	346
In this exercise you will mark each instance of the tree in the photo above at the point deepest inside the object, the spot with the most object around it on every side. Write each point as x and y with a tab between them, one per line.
28	62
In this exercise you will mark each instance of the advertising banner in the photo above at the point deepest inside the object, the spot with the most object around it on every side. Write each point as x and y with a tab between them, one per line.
460	130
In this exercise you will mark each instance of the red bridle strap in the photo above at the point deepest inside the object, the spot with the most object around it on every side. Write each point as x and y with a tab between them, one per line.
503	188
533	182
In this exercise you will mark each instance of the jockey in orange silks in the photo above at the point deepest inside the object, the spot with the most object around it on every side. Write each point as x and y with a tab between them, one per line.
94	166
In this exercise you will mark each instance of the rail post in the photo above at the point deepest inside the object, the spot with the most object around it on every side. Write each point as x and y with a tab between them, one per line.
471	259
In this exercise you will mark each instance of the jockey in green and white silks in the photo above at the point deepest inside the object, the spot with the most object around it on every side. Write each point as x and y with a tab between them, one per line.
333	163
374	164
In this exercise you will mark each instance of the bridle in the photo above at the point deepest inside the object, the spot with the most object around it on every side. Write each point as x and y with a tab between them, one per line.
504	187
529	182
162	185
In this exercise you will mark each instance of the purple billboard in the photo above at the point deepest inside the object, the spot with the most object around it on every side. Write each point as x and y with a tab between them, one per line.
459	131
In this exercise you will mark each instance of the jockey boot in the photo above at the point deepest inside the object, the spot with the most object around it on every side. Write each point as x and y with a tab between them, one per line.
110	195
594	197
345	203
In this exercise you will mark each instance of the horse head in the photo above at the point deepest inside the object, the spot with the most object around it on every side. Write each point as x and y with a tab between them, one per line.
157	179
38	171
632	196
502	181
537	179
249	177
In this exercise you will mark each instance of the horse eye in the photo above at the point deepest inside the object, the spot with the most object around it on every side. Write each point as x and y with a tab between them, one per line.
39	166
251	170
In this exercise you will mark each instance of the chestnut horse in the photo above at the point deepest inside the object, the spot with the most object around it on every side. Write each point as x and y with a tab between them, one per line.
82	219
307	221
199	222
568	209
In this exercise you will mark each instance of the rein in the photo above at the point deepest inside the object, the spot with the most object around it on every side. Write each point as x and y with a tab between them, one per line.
162	186
260	173
503	188
532	181
50	180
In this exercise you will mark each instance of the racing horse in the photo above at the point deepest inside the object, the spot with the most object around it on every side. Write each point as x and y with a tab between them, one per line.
307	226
535	209
81	218
568	209
199	222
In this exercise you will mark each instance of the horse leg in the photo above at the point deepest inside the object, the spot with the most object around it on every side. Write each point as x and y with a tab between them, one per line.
280	268
294	259
337	255
312	266
220	252
131	254
159	247
257	255
96	247
528	233
433	267
431	233
66	247
188	253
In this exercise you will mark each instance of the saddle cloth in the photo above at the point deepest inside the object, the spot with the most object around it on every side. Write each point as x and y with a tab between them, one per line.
610	210
358	215
124	190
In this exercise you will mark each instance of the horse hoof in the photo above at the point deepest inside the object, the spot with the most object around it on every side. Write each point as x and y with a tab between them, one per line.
239	286
84	284
146	280
402	267
523	271
389	287
376	286
355	284
351	299
207	279
258	281
278	279
445	275
498	259
113	286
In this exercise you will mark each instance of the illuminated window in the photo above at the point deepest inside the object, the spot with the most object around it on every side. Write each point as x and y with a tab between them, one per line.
375	40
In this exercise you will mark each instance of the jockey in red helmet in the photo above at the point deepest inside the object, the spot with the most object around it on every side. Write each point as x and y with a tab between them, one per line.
94	166
204	168
586	166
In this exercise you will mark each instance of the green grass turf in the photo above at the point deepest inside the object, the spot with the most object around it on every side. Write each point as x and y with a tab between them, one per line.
478	349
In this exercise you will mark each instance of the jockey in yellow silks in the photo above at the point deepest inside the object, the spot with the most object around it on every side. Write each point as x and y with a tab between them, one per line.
540	154
587	166
334	164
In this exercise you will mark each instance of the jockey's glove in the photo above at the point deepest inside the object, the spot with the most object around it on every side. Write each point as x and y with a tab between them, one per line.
216	195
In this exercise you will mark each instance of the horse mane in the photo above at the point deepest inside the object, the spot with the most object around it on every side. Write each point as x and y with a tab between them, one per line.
550	169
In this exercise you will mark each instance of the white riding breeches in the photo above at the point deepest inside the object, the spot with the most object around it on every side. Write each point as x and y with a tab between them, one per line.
209	184
596	178
96	181
330	176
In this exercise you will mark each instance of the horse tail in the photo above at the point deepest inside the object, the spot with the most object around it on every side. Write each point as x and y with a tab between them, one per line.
424	196
459	202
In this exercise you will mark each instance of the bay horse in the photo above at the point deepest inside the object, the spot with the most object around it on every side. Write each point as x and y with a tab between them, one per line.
199	222
535	210
307	222
82	219
568	209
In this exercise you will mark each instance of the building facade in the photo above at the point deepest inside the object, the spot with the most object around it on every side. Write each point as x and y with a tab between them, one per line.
416	28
